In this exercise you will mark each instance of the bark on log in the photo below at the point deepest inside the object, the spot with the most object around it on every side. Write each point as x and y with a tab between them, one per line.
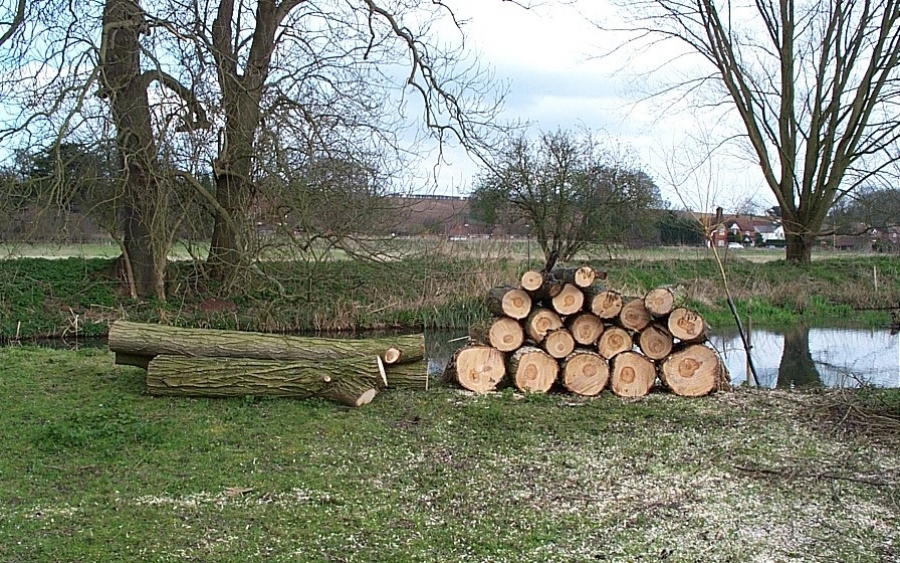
476	368
540	322
580	277
350	381
584	372
569	301
531	370
508	302
659	302
634	316
632	375
655	341
123	359
148	340
559	343
688	326
692	371
605	303
503	333
613	342
586	328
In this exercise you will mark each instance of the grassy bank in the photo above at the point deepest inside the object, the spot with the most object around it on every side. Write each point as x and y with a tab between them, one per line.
93	470
41	297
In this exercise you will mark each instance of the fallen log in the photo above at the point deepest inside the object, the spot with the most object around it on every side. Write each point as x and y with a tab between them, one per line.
540	285
476	368
133	340
532	370
632	375
508	302
693	371
584	372
349	381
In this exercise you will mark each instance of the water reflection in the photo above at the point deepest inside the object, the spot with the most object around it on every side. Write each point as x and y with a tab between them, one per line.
804	356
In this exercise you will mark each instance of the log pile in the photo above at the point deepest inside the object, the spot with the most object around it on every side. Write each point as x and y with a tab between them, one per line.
221	363
560	327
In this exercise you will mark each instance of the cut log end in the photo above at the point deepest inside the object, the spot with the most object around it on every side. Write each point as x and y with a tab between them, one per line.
392	355
532	280
607	304
613	342
477	368
633	375
540	322
634	316
688	326
660	301
506	334
569	301
532	370
655	342
692	372
586	328
508	301
585	373
559	343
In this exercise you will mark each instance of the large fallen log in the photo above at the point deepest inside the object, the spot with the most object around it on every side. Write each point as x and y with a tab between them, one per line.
135	343
350	381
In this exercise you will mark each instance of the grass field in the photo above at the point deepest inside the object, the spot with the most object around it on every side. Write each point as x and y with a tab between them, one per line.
93	470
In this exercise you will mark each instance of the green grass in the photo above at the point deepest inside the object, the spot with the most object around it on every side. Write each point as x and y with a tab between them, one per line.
93	470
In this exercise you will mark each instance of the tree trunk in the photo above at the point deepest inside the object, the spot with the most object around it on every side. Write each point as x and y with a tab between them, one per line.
476	368
503	333
350	381
531	370
605	303
586	328
692	371
508	301
659	302
145	229
799	247
634	316
613	342
559	343
569	301
148	340
581	277
584	373
687	326
655	341
633	375
540	322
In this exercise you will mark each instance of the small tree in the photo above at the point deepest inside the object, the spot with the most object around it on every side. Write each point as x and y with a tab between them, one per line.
568	188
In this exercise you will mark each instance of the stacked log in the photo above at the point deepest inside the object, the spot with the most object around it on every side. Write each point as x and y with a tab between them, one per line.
221	363
562	328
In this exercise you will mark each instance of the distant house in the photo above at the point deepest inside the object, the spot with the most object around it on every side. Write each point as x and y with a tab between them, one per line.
745	229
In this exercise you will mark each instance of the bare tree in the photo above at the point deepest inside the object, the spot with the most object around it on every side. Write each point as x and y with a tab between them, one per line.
16	17
569	189
815	85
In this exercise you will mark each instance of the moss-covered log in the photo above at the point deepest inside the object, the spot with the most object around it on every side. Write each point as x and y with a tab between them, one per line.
149	340
350	381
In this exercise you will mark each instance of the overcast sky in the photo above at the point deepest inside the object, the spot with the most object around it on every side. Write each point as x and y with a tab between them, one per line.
549	56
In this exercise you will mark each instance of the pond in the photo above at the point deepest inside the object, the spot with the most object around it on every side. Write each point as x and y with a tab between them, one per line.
800	356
